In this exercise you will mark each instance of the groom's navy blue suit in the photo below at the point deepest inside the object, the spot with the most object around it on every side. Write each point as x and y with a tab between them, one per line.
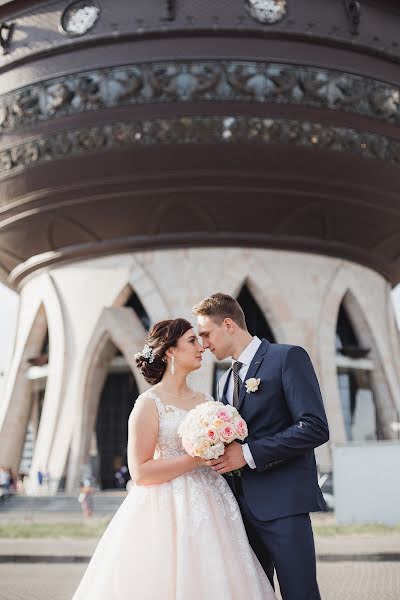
286	421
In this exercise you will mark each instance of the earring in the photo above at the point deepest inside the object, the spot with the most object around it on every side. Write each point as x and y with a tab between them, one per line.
173	365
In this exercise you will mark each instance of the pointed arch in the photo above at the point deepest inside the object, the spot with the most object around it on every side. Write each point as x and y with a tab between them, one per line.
122	295
136	305
346	337
358	319
362	344
142	282
256	320
352	289
18	411
359	406
118	329
267	298
128	298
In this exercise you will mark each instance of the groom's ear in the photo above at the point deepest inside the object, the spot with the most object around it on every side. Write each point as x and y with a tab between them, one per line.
229	324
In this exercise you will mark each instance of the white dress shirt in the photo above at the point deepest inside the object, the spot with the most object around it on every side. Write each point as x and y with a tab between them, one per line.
245	358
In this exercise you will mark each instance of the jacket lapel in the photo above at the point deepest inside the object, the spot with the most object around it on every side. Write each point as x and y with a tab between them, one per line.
253	368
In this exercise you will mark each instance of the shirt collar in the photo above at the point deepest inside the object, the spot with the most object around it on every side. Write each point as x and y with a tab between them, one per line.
249	352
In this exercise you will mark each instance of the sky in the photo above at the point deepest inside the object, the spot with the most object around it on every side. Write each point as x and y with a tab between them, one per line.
8	322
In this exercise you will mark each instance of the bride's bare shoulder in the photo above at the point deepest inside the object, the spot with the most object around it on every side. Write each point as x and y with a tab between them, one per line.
145	404
149	394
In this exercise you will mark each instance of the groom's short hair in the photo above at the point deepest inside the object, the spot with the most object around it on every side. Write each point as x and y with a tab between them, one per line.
219	307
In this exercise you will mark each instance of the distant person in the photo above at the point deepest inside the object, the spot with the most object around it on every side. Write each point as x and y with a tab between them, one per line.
86	498
121	477
12	481
4	482
21	484
40	477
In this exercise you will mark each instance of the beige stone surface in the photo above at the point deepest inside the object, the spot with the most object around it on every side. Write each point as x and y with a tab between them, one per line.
82	305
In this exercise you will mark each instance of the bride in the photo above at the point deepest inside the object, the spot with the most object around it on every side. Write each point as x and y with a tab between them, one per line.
179	532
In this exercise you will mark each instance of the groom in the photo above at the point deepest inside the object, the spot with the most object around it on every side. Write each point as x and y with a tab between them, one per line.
283	408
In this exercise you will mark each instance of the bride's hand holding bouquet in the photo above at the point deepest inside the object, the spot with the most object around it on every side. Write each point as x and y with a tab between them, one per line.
209	427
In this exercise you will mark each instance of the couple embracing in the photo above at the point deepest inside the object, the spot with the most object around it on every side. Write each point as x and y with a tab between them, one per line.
194	529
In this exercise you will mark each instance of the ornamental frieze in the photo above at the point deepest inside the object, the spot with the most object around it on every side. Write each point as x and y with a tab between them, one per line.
192	130
241	81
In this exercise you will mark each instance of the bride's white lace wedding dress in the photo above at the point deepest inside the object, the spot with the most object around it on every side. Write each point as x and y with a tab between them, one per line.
179	540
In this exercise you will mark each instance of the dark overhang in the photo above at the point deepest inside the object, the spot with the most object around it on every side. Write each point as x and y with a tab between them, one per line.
214	130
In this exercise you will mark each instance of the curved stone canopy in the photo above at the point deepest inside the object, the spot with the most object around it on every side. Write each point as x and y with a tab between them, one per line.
184	124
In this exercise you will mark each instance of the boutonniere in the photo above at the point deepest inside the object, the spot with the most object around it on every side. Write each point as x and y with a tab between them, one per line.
252	384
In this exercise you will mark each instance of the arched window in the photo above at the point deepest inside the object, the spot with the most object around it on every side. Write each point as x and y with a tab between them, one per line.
353	372
135	303
255	319
346	339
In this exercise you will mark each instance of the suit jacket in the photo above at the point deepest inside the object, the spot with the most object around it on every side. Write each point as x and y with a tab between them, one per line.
286	421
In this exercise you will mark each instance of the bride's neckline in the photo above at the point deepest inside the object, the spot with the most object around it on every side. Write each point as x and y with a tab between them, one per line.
174	405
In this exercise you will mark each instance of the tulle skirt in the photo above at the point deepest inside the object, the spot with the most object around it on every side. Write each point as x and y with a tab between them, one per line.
180	540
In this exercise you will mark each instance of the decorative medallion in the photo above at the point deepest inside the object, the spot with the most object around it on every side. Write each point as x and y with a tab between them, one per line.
267	11
79	17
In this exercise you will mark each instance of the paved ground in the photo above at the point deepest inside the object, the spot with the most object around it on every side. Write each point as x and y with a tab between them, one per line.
350	567
343	548
338	581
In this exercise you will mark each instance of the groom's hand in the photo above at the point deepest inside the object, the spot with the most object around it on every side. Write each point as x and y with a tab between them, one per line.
231	460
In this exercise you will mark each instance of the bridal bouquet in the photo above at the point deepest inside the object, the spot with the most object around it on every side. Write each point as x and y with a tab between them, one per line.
208	427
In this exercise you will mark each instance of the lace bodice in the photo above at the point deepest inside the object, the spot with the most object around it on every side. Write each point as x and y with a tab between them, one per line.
200	478
170	417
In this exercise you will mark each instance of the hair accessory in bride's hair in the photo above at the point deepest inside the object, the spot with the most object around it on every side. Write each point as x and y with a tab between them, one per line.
147	352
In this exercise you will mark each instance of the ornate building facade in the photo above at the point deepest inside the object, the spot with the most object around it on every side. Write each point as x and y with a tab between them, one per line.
154	152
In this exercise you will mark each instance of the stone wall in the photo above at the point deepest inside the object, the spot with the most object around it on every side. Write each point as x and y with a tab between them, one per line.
83	306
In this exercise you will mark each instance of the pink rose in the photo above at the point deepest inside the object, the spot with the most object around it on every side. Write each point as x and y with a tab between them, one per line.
241	427
223	414
227	433
212	435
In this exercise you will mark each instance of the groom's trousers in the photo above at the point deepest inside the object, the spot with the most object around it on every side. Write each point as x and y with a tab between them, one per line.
286	545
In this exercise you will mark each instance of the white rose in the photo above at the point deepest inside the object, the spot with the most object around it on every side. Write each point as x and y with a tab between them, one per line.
252	384
218	450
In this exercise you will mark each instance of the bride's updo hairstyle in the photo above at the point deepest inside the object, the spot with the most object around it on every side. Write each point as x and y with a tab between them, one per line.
152	360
